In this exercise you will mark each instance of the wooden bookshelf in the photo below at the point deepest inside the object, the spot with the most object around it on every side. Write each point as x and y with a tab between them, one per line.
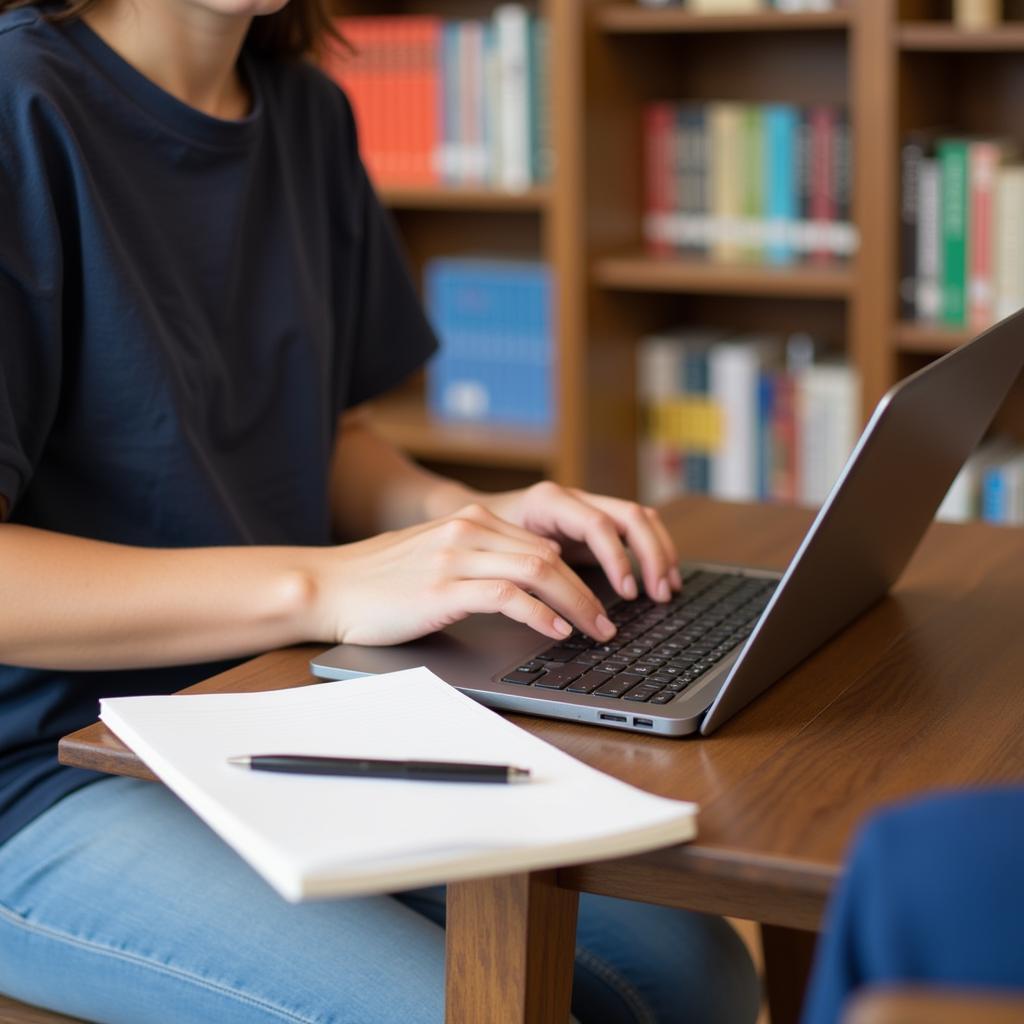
929	339
633	18
463	197
640	272
403	419
898	65
939	37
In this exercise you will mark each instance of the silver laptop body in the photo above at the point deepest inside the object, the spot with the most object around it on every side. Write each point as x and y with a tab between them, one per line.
918	437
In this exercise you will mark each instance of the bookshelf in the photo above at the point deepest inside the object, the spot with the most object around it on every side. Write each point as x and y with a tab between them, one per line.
896	65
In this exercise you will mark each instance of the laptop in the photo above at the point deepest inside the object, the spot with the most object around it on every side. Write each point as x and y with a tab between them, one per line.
690	665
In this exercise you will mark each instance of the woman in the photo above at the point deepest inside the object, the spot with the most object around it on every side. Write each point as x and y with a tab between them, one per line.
198	290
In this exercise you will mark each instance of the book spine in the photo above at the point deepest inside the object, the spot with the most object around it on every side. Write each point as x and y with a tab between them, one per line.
983	165
1009	240
726	121
823	205
911	156
512	23
696	385
780	147
928	292
752	173
660	198
953	161
993	495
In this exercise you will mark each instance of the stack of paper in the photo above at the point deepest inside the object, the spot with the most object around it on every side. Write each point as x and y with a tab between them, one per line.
317	836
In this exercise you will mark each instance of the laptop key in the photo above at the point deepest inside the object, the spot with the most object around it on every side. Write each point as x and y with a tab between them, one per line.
615	687
559	678
641	693
531	666
522	678
557	653
588	682
663	697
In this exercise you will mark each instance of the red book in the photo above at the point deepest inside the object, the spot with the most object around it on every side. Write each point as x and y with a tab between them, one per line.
659	129
784	448
823	209
393	81
983	159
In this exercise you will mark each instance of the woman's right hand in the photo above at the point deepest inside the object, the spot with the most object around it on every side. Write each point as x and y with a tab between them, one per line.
406	583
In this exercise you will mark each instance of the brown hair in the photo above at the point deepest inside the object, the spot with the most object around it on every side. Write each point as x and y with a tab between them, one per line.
301	28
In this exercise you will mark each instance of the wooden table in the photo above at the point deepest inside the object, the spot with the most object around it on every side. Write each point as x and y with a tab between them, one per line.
925	691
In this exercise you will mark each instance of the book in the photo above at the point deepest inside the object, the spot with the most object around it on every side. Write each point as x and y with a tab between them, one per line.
953	164
1009	241
928	264
317	836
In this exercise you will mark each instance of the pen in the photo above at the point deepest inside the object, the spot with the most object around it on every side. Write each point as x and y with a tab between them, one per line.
367	768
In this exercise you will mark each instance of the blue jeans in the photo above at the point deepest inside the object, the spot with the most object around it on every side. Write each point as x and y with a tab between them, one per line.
119	906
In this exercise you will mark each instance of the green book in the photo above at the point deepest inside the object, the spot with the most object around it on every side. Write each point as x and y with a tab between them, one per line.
953	230
753	177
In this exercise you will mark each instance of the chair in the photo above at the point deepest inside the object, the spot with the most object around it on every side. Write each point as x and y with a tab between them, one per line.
933	1005
20	1013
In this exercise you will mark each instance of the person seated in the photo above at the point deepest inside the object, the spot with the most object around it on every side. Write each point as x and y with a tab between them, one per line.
933	894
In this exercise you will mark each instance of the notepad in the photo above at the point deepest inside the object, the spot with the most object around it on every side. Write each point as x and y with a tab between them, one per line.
314	836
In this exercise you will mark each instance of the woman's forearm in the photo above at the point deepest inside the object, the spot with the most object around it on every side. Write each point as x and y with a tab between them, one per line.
374	487
83	604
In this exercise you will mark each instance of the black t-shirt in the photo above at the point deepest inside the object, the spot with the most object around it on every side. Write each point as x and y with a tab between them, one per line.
186	305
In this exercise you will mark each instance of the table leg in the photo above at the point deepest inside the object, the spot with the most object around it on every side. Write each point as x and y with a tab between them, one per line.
509	950
788	953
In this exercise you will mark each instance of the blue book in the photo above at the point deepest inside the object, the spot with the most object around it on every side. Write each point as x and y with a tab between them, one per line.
494	321
994	496
765	438
781	126
696	376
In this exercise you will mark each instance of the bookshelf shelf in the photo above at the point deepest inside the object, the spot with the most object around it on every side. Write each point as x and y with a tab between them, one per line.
928	338
642	272
632	18
404	421
937	36
462	197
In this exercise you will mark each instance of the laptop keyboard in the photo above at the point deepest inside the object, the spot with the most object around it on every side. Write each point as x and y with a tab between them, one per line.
660	649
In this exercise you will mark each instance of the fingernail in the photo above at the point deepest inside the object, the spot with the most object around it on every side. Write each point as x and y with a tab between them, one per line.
676	578
664	592
606	627
562	627
629	590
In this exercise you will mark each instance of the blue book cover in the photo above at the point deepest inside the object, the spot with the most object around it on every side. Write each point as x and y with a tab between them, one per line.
765	440
696	376
781	125
993	496
494	322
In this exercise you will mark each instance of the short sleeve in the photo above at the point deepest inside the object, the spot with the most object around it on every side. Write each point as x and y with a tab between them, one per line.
391	337
30	314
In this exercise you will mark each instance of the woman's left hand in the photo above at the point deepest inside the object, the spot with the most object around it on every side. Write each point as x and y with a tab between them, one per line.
597	528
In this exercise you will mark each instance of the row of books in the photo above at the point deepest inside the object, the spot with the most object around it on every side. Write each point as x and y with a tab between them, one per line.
494	321
748	182
990	486
445	101
742	417
962	230
748	6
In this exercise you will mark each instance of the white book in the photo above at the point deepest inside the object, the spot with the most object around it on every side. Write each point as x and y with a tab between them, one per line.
1009	241
512	34
734	369
319	836
827	400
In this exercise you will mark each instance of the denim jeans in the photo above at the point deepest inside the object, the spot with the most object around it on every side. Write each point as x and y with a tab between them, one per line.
119	906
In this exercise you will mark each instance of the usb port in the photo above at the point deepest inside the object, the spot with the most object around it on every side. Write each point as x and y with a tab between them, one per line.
612	718
647	723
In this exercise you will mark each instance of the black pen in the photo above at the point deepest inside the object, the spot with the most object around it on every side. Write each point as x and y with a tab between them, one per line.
369	768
